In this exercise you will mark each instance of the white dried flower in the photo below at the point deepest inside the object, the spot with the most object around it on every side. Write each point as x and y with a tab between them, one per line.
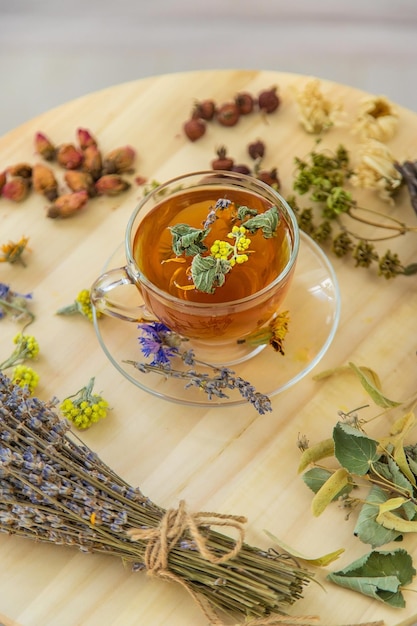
377	119
376	170
316	112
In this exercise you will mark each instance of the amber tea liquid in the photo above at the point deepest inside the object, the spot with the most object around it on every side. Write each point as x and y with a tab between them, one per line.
224	319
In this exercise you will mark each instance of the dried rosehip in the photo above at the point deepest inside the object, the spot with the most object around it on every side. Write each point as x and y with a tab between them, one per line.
256	149
269	177
68	156
44	147
20	169
111	185
241	169
268	100
44	181
16	189
245	103
80	181
119	160
194	128
68	204
85	138
228	114
204	110
222	162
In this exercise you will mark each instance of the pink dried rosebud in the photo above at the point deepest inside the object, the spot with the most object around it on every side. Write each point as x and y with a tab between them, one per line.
80	181
92	161
16	189
68	204
111	185
20	169
44	181
44	147
68	156
3	179
85	138
119	160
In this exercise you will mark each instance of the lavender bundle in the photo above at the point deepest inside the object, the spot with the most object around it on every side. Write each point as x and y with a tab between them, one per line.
55	489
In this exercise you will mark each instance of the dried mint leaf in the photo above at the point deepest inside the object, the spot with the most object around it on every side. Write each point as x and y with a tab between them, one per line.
267	221
355	451
243	211
208	273
187	240
379	575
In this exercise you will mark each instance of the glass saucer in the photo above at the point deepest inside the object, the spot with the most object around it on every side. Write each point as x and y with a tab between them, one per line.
313	303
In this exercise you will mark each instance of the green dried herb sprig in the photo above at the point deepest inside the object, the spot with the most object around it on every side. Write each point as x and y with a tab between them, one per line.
53	488
324	176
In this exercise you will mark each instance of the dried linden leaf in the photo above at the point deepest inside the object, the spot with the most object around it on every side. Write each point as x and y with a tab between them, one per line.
319	561
333	486
315	453
355	451
369	385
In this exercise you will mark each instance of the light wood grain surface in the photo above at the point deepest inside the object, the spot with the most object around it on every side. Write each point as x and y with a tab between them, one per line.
230	460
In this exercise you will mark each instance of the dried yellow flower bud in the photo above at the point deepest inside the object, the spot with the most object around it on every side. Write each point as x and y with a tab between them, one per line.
316	112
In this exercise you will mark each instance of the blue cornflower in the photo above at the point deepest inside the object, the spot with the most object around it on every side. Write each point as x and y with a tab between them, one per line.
4	291
156	342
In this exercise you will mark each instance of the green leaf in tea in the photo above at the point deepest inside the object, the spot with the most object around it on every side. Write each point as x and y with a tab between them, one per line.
243	211
208	273
267	222
355	451
187	239
379	575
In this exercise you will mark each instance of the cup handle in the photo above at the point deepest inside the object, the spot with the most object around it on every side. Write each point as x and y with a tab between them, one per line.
100	294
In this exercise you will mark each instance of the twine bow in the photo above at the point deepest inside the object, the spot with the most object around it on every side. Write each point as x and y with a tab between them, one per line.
163	538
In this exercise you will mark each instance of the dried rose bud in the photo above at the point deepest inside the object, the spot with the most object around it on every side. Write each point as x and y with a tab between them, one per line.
20	169
16	189
44	181
68	204
111	185
194	128
85	138
44	147
3	178
68	156
256	149
204	110
80	181
241	168
140	180
245	103
93	161
268	100
119	160
228	114
222	162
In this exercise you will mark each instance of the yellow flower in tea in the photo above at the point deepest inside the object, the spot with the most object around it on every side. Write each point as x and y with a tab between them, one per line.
376	170
12	251
316	112
377	119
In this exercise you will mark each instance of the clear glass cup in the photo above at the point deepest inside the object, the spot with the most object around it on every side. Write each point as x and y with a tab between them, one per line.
215	324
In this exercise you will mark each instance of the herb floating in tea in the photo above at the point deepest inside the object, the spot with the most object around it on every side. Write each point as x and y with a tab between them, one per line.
209	266
324	178
387	467
163	346
56	490
16	304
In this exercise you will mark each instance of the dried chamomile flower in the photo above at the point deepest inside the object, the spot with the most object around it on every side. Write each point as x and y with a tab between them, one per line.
84	408
82	304
376	170
377	119
12	251
316	112
25	376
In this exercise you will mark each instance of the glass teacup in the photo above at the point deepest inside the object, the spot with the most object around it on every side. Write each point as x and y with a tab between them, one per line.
211	255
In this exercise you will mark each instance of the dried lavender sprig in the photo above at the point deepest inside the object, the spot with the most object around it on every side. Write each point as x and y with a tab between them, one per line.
53	488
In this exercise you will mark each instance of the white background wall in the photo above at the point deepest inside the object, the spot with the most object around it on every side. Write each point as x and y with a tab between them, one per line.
52	51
